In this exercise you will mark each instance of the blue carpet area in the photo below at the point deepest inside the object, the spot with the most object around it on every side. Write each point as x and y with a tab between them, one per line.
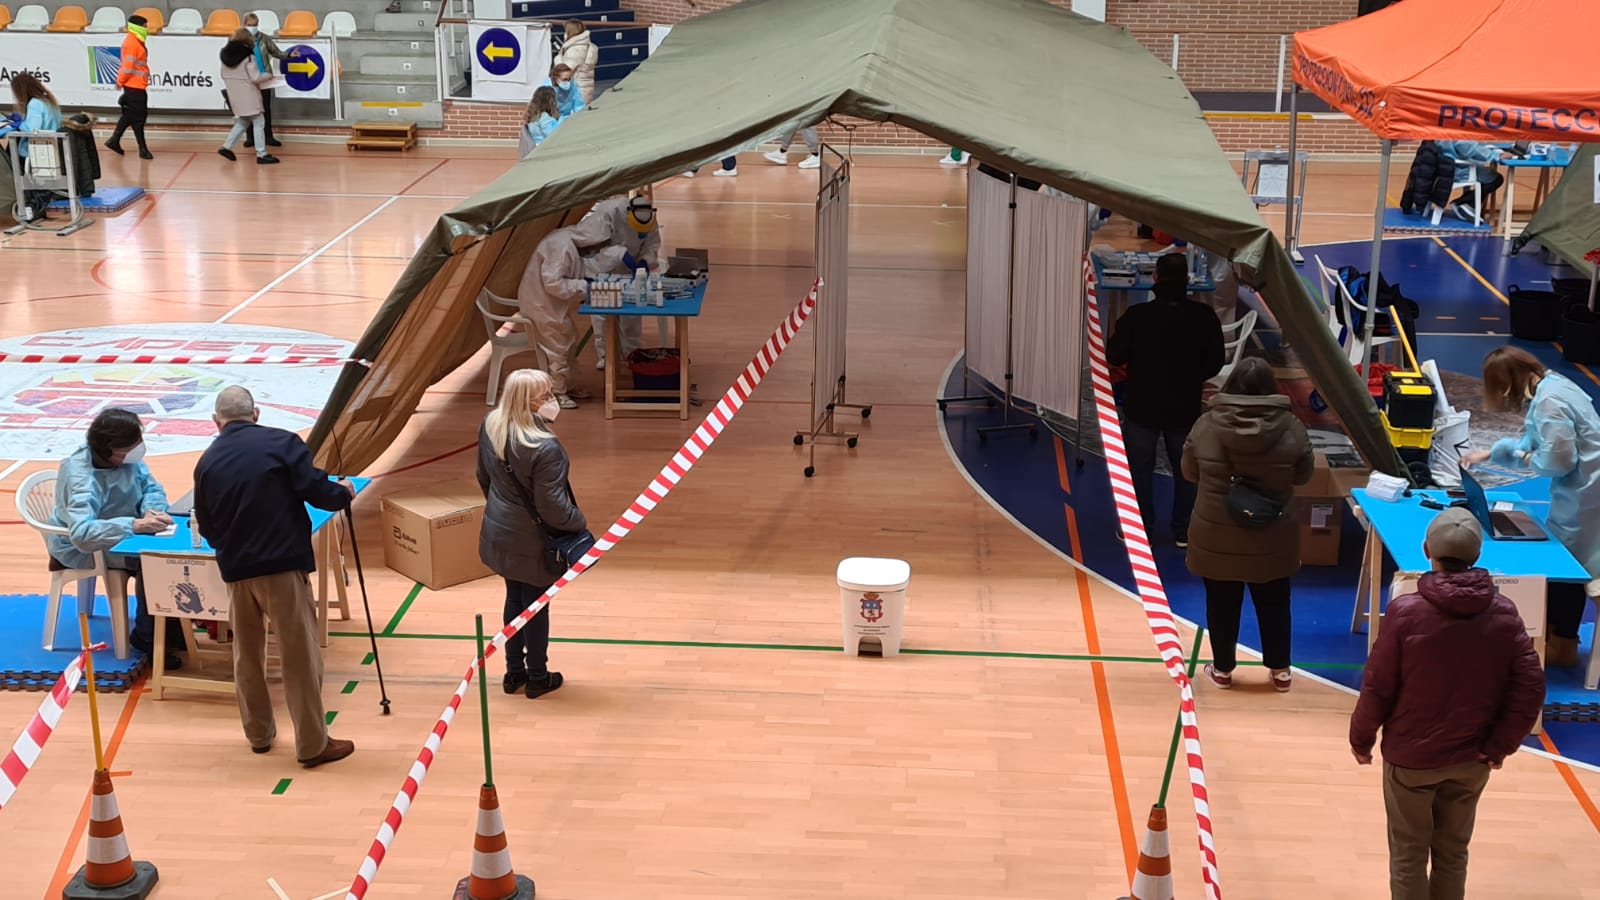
27	667
106	199
1022	475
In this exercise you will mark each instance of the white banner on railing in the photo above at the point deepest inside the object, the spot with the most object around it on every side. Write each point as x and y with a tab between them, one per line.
509	60
185	72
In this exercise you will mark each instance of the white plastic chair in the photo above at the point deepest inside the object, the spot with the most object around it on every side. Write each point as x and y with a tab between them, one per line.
267	21
1234	338
502	346
107	20
184	21
36	501
337	24
1471	184
32	17
1354	342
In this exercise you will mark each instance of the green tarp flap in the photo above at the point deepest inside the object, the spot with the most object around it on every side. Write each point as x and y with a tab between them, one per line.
1059	98
1568	223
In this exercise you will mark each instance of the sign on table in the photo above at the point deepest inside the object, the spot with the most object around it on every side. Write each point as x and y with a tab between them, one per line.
186	586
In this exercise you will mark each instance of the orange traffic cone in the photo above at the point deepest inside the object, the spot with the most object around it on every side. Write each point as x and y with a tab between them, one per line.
109	871
1152	880
492	877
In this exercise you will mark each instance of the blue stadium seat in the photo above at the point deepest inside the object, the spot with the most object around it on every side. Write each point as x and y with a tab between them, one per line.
562	9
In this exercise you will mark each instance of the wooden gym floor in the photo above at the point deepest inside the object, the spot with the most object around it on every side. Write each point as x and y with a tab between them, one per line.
706	744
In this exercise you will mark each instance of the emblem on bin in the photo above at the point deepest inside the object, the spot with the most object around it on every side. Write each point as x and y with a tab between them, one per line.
871	607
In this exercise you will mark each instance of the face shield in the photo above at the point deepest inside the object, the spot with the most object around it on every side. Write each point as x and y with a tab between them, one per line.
641	215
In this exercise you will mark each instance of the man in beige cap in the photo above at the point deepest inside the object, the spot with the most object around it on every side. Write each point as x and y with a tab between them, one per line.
1455	685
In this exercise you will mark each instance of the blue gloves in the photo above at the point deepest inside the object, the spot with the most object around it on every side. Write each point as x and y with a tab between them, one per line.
15	119
630	262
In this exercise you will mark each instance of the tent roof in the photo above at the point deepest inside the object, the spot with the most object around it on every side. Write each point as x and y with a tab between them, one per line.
1053	96
1471	69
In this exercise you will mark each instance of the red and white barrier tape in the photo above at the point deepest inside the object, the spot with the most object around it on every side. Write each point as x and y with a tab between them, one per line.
673	472
1152	595
67	359
25	752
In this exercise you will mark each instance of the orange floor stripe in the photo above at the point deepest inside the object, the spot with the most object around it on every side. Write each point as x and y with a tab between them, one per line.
64	870
1061	468
1102	696
1573	783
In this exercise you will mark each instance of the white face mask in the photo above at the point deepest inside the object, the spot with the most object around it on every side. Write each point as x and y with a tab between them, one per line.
134	456
549	410
565	84
251	29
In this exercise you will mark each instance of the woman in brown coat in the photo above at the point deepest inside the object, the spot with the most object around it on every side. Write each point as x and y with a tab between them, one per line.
1249	431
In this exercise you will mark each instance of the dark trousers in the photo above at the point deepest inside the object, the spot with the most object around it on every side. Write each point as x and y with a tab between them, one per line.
135	105
1431	815
1564	602
266	115
1142	447
529	652
1225	606
1487	187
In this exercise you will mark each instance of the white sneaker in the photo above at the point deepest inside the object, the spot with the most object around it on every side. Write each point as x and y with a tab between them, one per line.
565	402
811	162
727	173
777	158
600	363
689	174
948	160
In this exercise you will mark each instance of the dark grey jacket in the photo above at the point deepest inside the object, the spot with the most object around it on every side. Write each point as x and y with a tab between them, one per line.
509	542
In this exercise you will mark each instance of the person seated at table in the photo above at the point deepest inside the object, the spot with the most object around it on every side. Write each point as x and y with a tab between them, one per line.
1560	441
104	495
539	120
1472	160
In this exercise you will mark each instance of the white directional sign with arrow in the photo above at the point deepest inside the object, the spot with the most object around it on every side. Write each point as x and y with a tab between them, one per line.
509	59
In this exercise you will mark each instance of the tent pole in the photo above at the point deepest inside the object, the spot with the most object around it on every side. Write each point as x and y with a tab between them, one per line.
1377	255
1290	238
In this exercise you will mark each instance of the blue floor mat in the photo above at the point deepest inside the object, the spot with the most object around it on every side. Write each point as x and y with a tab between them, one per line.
1395	220
106	199
25	666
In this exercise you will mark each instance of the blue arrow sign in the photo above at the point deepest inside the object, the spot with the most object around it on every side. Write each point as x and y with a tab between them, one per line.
305	72
499	52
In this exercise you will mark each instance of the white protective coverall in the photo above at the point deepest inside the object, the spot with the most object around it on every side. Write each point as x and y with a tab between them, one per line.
552	288
608	222
1562	437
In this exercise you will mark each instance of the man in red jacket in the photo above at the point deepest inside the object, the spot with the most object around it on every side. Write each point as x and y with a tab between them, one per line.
1455	685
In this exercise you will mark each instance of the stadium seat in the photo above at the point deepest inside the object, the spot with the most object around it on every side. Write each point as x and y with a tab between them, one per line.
222	23
266	20
5	16
69	20
337	24
30	18
153	18
299	24
107	20
185	21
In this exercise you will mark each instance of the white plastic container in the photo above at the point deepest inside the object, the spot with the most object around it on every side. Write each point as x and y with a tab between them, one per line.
872	602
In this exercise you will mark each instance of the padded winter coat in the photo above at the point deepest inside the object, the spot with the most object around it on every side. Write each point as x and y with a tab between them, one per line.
581	55
1452	677
1256	437
1430	180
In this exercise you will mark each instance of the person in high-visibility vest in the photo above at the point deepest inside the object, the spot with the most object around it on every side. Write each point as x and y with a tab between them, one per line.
134	79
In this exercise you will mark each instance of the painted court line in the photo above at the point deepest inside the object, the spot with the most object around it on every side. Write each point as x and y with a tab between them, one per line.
308	260
273	883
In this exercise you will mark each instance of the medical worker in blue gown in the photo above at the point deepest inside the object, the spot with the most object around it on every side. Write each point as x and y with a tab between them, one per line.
1561	441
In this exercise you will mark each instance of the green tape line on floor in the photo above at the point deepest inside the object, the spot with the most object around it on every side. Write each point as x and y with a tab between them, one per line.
330	716
283	785
349	687
405	607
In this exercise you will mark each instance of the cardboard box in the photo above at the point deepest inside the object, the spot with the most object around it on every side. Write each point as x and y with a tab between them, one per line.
1320	506
430	534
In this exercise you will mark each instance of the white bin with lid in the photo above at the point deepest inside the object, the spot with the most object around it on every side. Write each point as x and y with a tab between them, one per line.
872	600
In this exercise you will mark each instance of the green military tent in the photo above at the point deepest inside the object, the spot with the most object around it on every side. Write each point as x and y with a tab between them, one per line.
1050	95
1568	223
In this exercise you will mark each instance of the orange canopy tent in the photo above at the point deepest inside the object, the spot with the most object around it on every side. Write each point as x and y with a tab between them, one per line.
1495	70
1485	70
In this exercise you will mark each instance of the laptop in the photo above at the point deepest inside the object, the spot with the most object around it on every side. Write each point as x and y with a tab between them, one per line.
688	262
182	506
1521	149
1511	525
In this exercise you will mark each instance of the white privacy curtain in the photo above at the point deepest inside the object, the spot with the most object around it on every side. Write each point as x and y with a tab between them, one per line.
831	320
1046	335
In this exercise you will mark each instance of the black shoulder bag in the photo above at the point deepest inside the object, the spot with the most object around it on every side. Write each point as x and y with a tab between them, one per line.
562	548
1248	503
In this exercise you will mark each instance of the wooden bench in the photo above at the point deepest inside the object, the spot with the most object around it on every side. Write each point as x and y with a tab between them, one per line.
400	136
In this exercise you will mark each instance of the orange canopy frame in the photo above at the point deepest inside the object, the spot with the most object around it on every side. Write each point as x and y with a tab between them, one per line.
1487	70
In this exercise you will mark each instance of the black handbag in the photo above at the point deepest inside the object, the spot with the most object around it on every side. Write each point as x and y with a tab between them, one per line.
563	548
1250	505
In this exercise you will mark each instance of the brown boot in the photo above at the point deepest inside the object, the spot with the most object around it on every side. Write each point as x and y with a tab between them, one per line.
1560	652
335	751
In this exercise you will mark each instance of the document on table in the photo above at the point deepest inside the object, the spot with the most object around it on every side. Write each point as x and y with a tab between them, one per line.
168	531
